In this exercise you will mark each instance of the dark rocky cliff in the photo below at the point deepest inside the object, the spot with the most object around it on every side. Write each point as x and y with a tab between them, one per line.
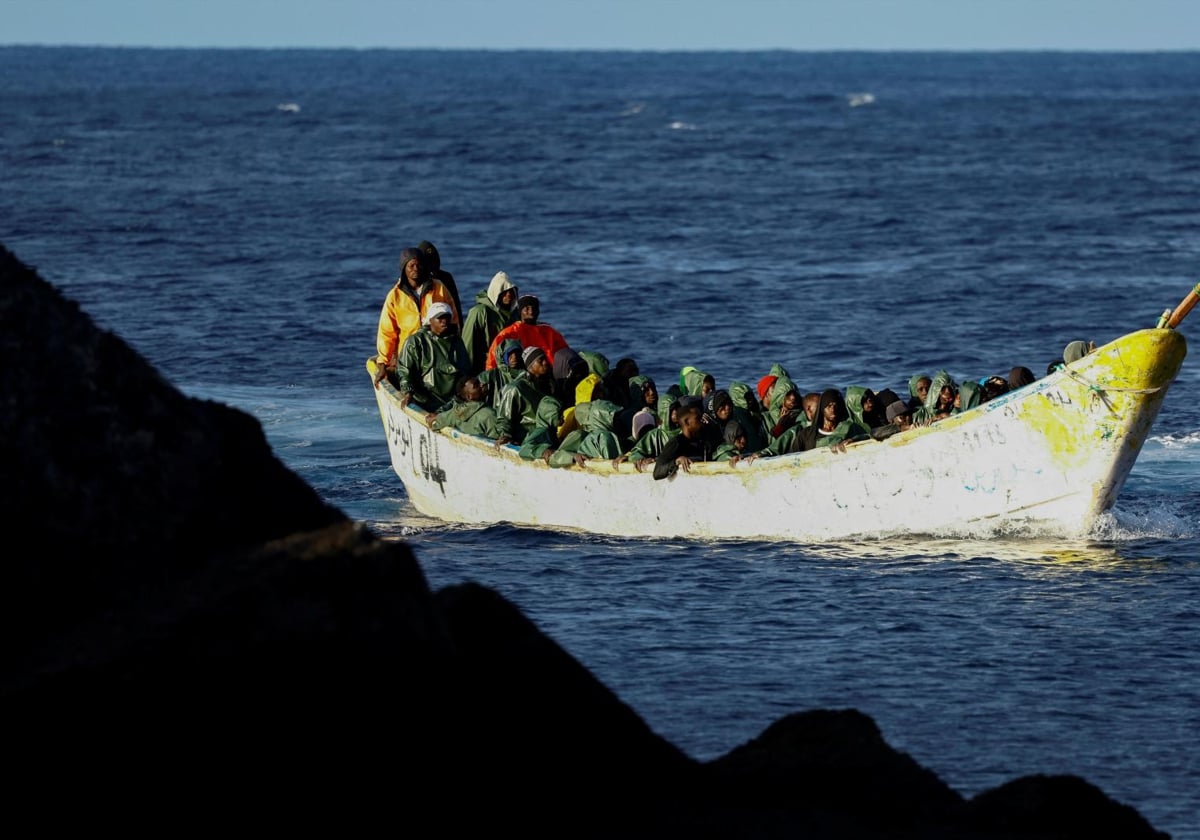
188	626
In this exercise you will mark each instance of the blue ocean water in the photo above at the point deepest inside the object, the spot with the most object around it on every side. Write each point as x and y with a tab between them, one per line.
859	217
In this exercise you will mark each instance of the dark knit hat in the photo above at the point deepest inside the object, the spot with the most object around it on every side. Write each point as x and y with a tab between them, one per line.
526	300
532	353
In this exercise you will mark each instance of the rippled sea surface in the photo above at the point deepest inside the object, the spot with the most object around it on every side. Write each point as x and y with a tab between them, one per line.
237	216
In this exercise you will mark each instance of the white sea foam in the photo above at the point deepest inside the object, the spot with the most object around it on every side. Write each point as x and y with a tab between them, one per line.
679	125
635	108
288	107
857	100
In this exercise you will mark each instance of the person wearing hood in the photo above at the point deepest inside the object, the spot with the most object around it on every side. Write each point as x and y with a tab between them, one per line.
589	388
616	380
1076	350
469	412
785	409
433	262
832	424
495	308
969	395
405	310
1019	377
569	369
939	400
651	442
865	407
918	390
641	393
508	365
733	446
432	362
517	412
748	412
543	438
597	362
530	331
594	438
696	382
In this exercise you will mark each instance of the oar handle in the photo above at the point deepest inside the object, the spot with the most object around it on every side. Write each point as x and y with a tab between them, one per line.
1185	306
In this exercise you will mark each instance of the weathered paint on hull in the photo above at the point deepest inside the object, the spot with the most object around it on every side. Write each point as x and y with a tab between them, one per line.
1048	458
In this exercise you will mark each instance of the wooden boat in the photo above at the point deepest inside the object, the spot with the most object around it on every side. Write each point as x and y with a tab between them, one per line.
1046	459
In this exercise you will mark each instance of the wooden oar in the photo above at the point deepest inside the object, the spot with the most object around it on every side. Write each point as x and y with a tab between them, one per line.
1185	306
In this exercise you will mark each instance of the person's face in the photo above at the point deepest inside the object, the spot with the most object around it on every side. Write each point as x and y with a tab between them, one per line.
690	425
740	443
790	400
412	272
539	366
868	403
958	400
439	324
923	388
724	411
946	397
829	414
810	409
508	297
514	359
707	388
529	313
473	390
650	396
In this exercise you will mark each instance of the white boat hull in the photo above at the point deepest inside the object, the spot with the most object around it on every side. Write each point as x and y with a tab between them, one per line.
1049	458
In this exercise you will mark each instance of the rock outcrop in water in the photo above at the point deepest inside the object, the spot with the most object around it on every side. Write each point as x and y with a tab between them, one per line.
188	626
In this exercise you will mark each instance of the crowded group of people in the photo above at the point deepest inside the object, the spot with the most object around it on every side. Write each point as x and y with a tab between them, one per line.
499	372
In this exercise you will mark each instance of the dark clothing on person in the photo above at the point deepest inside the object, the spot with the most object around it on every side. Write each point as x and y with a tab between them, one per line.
433	262
569	370
1019	377
811	436
699	449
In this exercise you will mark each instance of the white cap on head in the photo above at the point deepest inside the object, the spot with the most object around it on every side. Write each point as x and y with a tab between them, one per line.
436	309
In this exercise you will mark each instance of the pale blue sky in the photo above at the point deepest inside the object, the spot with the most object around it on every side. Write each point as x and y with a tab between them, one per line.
611	24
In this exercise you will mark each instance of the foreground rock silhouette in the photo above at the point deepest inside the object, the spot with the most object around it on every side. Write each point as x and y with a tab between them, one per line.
189	627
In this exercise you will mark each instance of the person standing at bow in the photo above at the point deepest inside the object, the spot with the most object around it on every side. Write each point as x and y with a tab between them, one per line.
405	309
433	361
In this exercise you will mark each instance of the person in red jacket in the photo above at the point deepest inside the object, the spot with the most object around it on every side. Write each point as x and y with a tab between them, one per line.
529	332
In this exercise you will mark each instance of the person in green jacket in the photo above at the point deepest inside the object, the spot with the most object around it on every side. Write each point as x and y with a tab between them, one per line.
508	365
696	382
594	438
733	446
494	310
939	400
468	412
542	441
433	361
832	425
517	412
865	407
748	412
649	444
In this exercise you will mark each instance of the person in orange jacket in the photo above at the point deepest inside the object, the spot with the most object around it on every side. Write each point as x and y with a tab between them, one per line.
404	309
529	331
